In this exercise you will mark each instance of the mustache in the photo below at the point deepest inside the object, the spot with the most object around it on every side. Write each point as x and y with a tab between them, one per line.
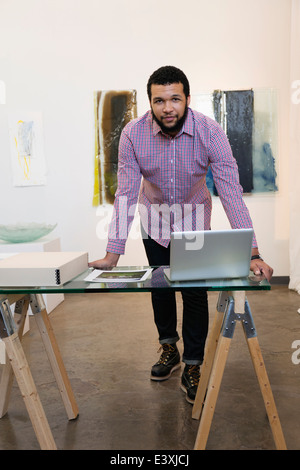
177	126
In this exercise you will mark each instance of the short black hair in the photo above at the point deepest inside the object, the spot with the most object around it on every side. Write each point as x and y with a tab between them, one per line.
167	75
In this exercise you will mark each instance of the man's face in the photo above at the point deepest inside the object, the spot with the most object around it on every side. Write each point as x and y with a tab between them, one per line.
169	106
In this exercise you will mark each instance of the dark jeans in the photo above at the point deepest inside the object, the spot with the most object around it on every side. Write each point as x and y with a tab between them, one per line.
195	310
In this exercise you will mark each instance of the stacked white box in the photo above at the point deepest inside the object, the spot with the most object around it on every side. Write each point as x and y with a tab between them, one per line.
41	268
43	244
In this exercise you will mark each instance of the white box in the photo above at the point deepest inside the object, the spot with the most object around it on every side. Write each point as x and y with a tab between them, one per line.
42	268
43	244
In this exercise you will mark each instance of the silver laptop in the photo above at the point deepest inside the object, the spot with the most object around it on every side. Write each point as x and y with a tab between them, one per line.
210	254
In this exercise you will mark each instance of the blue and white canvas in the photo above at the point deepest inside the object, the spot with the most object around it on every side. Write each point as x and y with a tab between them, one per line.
249	118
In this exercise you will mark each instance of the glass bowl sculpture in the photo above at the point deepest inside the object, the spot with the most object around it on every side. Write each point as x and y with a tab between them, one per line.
22	233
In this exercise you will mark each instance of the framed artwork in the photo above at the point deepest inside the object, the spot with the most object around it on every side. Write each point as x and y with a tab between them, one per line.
249	119
113	110
27	149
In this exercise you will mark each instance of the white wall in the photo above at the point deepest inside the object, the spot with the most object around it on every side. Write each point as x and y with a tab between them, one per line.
55	53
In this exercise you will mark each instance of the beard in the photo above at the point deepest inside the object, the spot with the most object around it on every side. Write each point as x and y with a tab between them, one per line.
177	126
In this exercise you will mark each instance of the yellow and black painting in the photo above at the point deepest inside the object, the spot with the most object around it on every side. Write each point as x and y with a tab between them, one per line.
113	110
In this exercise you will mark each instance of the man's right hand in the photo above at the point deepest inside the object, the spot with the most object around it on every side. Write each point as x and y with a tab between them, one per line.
108	262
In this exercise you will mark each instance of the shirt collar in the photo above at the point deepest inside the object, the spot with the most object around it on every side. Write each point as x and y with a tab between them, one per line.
187	128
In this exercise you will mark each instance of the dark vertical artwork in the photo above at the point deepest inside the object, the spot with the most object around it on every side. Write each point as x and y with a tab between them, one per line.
113	110
239	128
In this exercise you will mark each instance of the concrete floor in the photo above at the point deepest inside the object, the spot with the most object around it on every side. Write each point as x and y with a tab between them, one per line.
108	343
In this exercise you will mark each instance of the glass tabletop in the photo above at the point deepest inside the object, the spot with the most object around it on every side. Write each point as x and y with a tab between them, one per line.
155	280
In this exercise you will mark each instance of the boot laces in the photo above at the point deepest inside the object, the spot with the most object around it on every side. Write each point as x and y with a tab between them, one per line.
194	374
167	349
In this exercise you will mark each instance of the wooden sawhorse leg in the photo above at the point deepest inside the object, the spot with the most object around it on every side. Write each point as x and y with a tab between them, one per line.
15	353
236	309
42	318
210	352
7	376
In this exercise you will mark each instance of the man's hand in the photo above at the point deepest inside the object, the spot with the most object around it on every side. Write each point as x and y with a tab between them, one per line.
260	268
108	262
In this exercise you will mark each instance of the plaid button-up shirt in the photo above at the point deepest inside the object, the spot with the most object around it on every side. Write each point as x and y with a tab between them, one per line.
167	178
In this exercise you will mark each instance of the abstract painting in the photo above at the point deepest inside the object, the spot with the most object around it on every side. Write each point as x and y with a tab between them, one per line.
249	119
27	153
113	110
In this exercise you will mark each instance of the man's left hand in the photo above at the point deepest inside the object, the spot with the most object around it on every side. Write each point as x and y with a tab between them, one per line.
260	268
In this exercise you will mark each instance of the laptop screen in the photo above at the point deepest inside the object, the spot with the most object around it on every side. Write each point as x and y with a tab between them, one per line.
210	254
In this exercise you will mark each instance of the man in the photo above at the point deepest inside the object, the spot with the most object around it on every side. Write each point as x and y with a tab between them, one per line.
163	160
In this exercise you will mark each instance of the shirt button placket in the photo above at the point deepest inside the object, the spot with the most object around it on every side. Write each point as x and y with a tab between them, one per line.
172	181
172	175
